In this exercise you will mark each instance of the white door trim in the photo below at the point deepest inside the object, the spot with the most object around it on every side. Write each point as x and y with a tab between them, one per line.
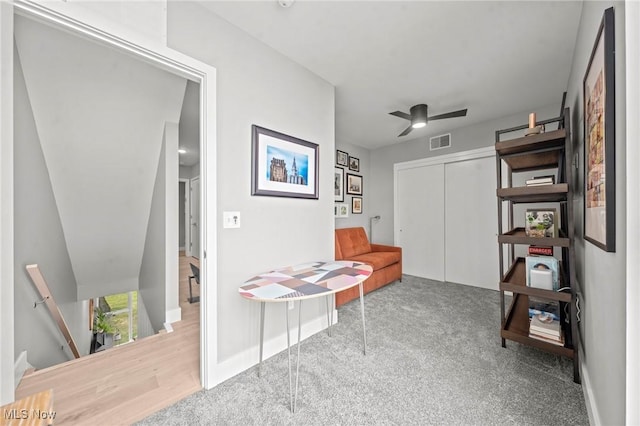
84	23
187	214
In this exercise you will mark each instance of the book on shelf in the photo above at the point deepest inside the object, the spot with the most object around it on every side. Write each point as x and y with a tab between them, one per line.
554	341
542	272
550	308
541	180
540	251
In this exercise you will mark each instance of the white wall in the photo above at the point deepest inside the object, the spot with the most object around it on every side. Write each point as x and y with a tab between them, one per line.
601	275
632	40
462	139
256	85
364	155
39	239
158	278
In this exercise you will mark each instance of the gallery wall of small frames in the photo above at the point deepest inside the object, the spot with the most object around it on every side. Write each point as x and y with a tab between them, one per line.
347	180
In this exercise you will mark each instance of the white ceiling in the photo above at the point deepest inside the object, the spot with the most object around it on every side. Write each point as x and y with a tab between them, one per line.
494	58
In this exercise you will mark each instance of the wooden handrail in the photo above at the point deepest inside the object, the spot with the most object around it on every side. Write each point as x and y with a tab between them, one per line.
47	298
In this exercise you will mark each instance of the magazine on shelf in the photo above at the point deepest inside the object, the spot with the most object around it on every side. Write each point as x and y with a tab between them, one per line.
539	306
541	223
542	272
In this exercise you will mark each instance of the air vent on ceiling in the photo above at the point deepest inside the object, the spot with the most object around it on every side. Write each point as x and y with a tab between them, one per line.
439	142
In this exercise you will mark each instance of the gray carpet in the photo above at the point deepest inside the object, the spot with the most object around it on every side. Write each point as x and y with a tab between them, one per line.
433	357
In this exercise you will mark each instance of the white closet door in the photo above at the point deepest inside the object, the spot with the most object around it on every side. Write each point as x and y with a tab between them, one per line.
471	223
420	230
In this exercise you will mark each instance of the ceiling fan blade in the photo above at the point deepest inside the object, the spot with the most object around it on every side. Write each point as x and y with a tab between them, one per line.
406	131
401	115
453	114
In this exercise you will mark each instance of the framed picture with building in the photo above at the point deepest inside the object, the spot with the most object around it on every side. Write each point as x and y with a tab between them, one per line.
283	165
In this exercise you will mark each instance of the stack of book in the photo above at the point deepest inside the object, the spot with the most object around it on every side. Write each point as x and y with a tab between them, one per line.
545	321
541	180
546	329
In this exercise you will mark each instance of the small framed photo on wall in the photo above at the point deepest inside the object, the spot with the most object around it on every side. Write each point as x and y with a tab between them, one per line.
338	184
342	158
354	164
356	205
354	184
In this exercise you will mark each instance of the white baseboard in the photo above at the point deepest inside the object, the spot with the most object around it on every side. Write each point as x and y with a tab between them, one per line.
173	315
20	366
248	358
589	399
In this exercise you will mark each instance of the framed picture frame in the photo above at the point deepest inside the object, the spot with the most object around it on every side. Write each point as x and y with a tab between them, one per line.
356	205
354	164
282	165
342	158
599	139
354	184
341	210
338	184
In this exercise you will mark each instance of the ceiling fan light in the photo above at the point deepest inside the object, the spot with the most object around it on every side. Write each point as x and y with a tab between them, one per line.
418	116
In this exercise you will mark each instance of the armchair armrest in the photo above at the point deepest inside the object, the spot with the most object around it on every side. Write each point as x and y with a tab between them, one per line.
382	247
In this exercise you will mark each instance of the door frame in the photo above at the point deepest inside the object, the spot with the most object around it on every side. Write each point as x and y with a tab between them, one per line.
103	30
190	199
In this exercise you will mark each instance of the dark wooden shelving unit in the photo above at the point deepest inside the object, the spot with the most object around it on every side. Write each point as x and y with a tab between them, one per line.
550	150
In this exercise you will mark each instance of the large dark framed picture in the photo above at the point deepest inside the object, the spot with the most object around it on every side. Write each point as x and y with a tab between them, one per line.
354	184
599	139
282	165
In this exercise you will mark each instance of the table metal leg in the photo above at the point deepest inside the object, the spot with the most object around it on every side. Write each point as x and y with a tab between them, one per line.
329	302
364	329
261	335
286	308
295	398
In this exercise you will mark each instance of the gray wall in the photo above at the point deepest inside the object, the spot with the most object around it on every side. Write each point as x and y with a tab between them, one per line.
462	139
257	85
153	267
365	159
602	275
39	239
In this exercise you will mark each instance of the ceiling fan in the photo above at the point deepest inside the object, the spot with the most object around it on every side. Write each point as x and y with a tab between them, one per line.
418	117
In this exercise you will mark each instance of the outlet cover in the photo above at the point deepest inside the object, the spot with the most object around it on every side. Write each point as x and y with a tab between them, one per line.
231	219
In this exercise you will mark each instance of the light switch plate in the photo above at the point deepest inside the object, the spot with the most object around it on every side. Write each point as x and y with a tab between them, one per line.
231	219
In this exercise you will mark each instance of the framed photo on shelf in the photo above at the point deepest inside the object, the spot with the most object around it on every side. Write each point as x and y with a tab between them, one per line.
341	210
354	164
342	158
356	205
282	165
338	184
354	184
599	139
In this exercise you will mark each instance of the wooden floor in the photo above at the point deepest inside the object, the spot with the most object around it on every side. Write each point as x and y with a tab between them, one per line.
127	383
